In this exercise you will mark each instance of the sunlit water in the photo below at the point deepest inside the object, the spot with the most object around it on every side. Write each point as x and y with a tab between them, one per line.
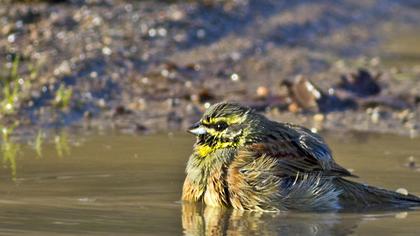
401	48
120	184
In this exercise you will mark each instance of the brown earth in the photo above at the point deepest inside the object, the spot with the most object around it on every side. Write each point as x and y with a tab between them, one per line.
148	66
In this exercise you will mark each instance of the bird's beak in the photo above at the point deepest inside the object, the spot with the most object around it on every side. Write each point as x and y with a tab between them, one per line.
197	129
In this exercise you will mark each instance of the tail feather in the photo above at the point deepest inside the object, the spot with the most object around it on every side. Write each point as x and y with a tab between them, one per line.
364	196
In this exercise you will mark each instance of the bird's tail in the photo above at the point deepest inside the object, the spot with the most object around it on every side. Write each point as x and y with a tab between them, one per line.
356	195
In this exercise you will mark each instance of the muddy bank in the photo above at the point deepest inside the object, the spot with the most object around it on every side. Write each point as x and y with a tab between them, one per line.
155	66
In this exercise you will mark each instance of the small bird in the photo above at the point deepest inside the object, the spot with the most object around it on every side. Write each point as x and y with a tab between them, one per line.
243	160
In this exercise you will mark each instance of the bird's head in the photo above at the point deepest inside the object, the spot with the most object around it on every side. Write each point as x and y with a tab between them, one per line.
223	125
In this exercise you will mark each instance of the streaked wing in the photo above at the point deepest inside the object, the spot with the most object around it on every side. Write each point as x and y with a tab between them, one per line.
298	150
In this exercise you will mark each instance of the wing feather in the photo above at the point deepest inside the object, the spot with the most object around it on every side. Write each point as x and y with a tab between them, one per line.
298	150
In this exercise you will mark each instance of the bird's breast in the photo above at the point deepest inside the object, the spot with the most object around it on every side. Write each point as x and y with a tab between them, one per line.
216	192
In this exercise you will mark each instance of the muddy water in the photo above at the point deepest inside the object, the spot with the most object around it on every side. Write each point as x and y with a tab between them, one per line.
401	48
123	184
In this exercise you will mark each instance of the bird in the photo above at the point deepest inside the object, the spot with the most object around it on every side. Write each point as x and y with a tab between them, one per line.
245	161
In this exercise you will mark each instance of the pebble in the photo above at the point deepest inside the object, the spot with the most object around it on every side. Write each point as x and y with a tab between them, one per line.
375	117
101	103
207	105
234	77
401	215
106	51
203	96
303	93
177	15
263	92
411	162
11	38
293	107
201	33
63	69
319	117
362	83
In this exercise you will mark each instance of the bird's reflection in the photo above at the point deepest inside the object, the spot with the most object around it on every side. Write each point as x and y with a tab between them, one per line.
199	220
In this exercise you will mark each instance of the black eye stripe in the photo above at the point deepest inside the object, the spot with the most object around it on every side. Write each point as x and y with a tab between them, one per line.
219	126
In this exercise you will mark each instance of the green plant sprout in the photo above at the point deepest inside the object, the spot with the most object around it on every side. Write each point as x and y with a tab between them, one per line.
62	144
12	88
62	97
39	140
9	149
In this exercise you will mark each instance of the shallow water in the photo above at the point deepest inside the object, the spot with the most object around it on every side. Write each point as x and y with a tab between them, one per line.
119	184
401	48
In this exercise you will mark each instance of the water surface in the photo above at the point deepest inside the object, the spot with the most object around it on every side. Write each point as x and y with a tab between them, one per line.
120	184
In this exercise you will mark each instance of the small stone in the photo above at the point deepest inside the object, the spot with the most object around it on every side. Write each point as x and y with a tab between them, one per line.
235	56
303	93
411	162
152	33
97	20
63	69
403	115
234	77
401	215
340	64
201	33
177	15
6	29
203	96
319	117
101	103
162	32
11	38
362	83
375	61
141	128
188	84
375	116
93	74
193	66
145	80
87	115
120	110
293	107
106	51
165	73
170	66
107	40
262	92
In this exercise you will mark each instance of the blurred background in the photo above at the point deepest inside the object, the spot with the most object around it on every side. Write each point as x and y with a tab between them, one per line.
149	66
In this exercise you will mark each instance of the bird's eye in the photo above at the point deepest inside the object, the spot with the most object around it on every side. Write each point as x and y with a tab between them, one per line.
219	126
